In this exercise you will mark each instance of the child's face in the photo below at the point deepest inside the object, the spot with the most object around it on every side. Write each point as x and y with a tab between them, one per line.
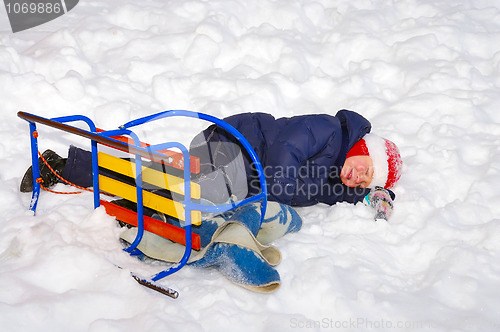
357	171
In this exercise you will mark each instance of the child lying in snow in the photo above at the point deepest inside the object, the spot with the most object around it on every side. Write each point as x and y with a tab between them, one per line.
307	160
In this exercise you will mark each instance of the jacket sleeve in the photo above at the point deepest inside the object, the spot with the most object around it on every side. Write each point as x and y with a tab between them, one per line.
298	141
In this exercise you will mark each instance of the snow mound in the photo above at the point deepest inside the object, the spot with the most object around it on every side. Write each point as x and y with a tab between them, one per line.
426	74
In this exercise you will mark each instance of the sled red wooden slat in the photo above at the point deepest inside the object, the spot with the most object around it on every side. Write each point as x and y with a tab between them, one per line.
178	160
152	225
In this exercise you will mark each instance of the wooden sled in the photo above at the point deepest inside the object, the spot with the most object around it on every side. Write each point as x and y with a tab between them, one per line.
187	208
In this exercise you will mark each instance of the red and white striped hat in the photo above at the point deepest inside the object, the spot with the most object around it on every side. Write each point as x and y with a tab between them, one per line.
387	162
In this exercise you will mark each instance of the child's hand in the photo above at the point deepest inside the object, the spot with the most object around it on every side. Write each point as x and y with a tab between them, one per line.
380	199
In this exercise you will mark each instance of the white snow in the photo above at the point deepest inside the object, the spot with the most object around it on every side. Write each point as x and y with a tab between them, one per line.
425	73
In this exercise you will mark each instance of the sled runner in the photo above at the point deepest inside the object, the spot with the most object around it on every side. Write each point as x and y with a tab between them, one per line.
174	195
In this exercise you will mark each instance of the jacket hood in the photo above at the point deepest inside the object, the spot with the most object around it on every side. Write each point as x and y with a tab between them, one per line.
354	128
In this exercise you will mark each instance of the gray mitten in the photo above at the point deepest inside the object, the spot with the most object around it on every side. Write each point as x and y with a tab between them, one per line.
381	200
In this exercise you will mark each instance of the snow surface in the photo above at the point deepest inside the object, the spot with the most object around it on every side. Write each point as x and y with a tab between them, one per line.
426	74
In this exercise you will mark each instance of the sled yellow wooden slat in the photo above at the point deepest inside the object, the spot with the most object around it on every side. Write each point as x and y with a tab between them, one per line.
151	200
162	180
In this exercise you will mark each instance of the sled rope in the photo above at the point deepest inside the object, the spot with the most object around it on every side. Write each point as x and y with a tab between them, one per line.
40	181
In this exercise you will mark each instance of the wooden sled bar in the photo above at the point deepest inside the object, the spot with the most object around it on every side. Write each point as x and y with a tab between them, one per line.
151	176
152	225
176	161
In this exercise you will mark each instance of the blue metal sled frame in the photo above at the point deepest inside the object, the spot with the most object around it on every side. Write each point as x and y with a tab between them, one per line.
148	152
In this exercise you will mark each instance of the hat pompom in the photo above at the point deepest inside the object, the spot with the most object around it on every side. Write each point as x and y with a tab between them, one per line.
387	162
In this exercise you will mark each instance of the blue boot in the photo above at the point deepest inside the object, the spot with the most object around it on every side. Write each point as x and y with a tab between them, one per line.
242	266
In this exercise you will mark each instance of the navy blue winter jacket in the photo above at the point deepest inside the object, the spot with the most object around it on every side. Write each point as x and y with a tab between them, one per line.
302	155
